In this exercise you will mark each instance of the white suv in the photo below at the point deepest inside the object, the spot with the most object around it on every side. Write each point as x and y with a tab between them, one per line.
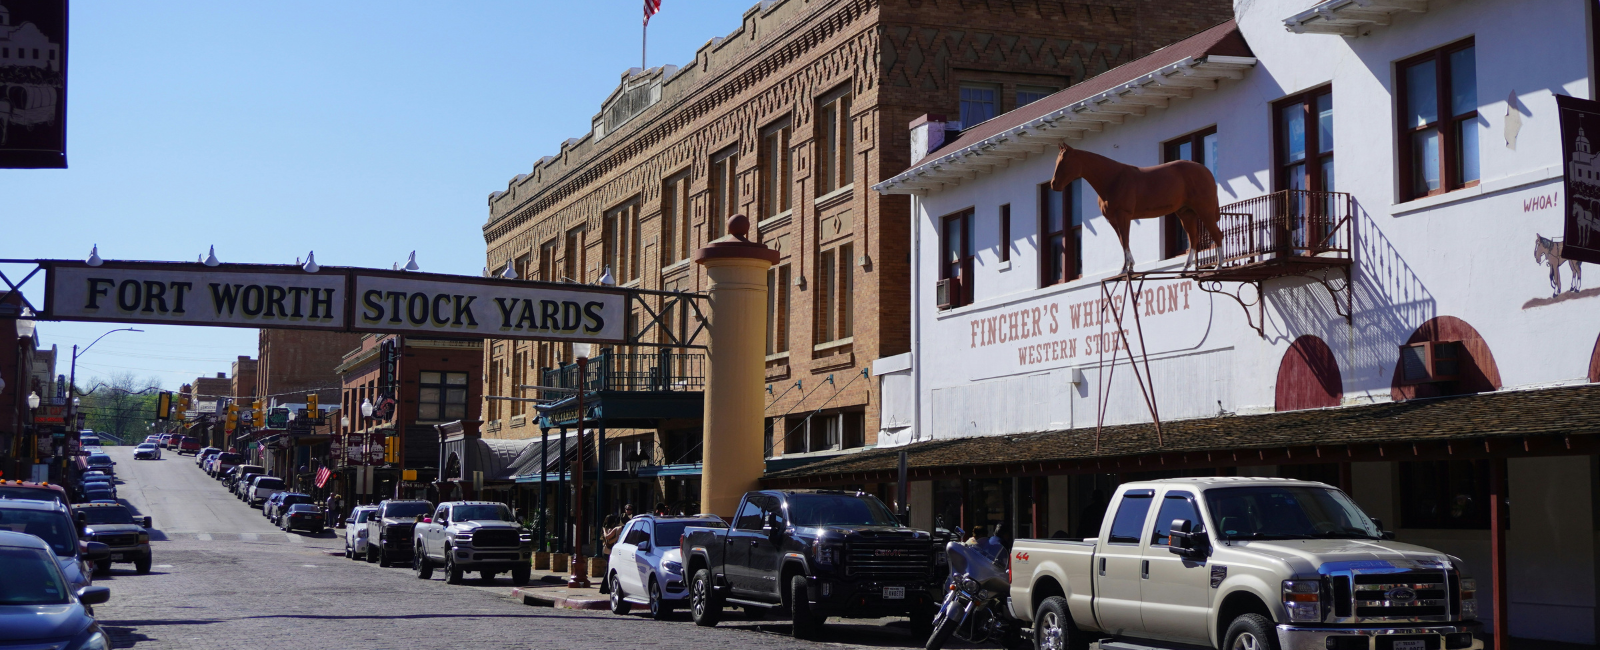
261	488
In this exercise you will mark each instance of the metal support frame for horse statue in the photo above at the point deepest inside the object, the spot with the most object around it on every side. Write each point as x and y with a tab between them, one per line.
1147	384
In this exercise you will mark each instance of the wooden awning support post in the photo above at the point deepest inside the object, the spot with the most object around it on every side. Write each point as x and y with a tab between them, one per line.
1500	615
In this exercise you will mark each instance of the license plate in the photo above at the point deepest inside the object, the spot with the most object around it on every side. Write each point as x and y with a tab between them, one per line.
116	557
894	593
1410	644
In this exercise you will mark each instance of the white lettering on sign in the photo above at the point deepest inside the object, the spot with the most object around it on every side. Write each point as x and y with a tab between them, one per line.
1026	325
197	297
488	309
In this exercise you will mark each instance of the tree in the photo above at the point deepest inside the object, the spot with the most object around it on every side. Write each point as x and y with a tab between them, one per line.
121	405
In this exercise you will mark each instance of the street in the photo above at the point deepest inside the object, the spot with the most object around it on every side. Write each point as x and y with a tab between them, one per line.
223	576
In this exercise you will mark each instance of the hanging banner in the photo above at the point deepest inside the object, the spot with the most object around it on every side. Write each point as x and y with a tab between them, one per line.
33	84
1580	135
194	294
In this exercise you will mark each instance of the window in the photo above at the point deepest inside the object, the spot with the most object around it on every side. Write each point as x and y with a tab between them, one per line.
683	447
442	396
1128	526
1445	494
777	168
1200	147
547	261
724	191
577	250
835	290
978	104
1061	222
675	220
1438	111
836	159
751	513
1030	94
1176	505
778	309
956	263
1305	141
843	430
1005	233
638	532
621	239
523	266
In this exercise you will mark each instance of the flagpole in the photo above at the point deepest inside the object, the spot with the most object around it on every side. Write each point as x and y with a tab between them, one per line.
644	44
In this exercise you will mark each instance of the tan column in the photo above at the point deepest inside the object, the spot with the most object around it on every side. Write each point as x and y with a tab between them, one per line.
735	378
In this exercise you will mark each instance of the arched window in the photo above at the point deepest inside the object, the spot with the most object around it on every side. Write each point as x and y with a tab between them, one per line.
1308	376
1445	356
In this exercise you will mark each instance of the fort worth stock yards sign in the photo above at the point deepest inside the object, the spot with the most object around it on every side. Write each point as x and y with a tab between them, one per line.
337	299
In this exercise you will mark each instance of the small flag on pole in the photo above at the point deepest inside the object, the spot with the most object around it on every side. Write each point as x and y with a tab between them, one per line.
650	9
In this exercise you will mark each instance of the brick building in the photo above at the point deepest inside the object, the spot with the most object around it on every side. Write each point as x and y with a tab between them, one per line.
291	363
244	379
790	119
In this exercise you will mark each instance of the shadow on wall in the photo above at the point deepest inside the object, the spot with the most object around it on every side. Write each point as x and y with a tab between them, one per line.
1391	302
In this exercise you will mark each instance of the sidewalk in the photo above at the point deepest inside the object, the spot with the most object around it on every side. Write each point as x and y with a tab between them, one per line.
549	589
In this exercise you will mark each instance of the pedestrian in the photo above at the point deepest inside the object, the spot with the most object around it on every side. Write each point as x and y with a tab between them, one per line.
331	510
610	529
661	509
627	512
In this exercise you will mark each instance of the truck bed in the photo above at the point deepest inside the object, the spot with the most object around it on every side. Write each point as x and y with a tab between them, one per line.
1052	567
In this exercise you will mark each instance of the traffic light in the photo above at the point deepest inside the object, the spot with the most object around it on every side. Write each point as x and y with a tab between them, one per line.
311	405
258	416
164	406
391	449
183	407
233	416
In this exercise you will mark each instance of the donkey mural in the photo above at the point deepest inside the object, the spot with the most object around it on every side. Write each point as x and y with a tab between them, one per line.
1182	187
1547	251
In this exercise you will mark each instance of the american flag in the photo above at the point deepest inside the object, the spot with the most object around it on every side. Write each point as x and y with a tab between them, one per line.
650	9
322	476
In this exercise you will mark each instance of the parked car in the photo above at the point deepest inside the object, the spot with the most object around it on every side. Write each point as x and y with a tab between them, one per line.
224	463
147	451
127	538
39	605
302	516
1236	562
477	536
98	492
242	472
102	462
205	455
242	484
154	440
188	444
262	487
34	491
646	564
97	484
815	554
280	503
355	532
53	523
389	538
166	441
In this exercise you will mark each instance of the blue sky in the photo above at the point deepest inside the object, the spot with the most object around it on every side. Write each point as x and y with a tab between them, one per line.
360	130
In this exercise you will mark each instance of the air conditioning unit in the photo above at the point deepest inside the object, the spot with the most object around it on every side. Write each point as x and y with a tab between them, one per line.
947	294
1430	362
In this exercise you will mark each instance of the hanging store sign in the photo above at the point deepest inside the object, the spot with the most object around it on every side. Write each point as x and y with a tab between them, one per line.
33	84
1580	150
335	299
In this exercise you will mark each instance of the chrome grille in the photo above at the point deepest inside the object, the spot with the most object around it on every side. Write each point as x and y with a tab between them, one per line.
888	559
1401	595
493	538
118	540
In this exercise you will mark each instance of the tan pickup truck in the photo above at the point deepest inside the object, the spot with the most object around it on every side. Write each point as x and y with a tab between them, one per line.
1242	564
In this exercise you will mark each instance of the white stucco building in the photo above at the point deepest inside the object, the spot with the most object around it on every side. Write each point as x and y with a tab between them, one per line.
1390	173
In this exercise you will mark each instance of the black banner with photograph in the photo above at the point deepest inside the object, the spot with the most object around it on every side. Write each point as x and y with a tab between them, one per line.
33	84
1580	121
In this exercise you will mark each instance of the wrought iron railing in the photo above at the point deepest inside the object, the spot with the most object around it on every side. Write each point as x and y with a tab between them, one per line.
661	371
1281	226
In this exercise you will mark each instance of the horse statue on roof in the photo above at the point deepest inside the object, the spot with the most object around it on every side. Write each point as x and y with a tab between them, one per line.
1183	187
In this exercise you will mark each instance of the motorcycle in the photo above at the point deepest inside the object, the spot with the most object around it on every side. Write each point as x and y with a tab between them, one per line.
974	606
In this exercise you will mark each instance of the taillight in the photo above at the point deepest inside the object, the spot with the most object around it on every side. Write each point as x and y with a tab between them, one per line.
1008	568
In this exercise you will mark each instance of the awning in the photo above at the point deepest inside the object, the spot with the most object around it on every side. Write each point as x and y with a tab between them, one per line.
1543	422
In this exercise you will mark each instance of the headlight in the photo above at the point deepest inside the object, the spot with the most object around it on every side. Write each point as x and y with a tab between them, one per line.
526	538
675	568
1469	598
969	585
1302	599
94	640
827	554
464	537
144	538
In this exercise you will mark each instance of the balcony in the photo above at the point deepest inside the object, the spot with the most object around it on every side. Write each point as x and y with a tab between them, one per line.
1290	232
624	390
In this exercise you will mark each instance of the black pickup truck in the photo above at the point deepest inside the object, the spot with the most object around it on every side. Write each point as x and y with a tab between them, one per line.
814	554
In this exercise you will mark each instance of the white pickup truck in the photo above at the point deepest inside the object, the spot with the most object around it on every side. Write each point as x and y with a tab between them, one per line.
1241	564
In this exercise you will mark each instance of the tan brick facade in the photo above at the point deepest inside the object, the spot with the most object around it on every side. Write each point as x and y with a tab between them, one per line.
787	64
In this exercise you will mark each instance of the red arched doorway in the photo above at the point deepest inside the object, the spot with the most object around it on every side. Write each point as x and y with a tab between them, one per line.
1308	376
1594	362
1477	370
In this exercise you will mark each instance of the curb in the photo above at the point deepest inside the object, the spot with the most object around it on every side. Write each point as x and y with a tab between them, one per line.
536	599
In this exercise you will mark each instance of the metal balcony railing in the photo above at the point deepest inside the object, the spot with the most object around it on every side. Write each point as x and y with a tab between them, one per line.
1281	233
662	371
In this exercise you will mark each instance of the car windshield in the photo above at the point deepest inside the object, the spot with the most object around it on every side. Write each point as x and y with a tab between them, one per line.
411	509
839	510
35	493
117	515
99	460
32	578
52	527
668	533
228	457
270	482
494	512
146	446
361	517
292	499
1287	512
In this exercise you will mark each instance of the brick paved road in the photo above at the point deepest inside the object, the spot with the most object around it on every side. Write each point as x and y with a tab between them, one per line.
225	577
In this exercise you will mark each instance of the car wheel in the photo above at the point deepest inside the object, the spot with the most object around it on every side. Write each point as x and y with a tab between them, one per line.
519	576
1251	632
422	565
805	623
372	553
618	605
1053	628
452	573
705	606
658	605
349	553
142	564
383	554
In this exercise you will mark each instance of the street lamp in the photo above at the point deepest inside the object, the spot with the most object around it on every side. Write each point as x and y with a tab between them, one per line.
72	384
580	564
33	400
366	408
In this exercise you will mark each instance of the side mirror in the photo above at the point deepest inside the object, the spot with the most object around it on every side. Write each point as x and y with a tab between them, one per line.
147	522
351	521
769	523
1385	534
644	547
97	552
93	595
1183	540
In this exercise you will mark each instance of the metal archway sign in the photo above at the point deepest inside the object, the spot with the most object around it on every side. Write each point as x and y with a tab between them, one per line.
347	299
